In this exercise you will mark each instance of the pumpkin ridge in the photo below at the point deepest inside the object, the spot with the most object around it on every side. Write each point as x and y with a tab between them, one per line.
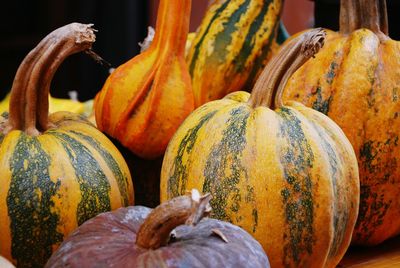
296	160
111	163
231	145
30	198
179	171
94	186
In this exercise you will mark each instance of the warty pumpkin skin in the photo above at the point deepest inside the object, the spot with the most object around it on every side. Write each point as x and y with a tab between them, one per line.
355	81
141	237
231	46
144	100
58	170
287	175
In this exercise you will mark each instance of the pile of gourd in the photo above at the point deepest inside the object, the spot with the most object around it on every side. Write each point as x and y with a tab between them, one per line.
295	182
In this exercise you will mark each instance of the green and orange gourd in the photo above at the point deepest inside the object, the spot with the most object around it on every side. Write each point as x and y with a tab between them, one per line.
355	80
285	173
233	43
57	170
144	100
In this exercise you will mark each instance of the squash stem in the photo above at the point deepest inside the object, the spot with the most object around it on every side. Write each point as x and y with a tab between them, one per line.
350	16
29	103
172	26
275	75
156	228
375	17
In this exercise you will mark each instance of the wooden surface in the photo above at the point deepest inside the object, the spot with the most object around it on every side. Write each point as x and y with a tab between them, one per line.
383	256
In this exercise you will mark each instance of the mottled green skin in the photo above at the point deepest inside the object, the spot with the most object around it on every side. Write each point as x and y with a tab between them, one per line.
297	161
226	155
180	173
121	178
94	185
216	15
33	224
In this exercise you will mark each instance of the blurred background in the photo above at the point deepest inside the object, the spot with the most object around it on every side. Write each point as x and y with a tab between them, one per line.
121	25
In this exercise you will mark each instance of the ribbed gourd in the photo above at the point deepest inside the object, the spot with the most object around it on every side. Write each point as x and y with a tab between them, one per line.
355	80
144	100
174	234
285	173
57	170
231	46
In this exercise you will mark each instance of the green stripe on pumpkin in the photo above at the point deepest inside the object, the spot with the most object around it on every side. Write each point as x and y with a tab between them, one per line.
226	155
223	39
93	183
122	180
200	43
297	160
248	44
186	145
33	224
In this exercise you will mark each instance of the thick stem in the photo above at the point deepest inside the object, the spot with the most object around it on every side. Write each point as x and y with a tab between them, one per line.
277	72
30	91
350	16
189	209
384	24
370	18
172	26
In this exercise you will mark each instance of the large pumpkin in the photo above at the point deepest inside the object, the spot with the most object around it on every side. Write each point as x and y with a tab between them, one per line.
286	175
355	80
141	237
144	100
231	46
56	171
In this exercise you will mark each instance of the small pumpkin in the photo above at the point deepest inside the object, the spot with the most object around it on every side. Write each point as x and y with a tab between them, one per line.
141	237
58	170
231	46
355	80
286	174
144	100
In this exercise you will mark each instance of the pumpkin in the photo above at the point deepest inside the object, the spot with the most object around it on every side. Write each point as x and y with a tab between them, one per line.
144	100
231	46
355	80
286	174
57	104
58	170
141	237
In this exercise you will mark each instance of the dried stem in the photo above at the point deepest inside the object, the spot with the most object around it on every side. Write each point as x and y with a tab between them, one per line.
29	105
276	74
188	209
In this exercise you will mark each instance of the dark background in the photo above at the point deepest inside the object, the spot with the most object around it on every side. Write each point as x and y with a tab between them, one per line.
121	24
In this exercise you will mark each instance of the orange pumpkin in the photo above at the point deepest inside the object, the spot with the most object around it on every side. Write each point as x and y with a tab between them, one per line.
144	100
355	80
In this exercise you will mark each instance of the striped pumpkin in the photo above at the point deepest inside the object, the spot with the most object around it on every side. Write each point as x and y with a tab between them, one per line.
355	80
231	46
58	170
288	176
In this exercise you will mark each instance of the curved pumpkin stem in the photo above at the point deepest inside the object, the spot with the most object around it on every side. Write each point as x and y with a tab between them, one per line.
350	16
29	103
189	209
276	74
375	17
